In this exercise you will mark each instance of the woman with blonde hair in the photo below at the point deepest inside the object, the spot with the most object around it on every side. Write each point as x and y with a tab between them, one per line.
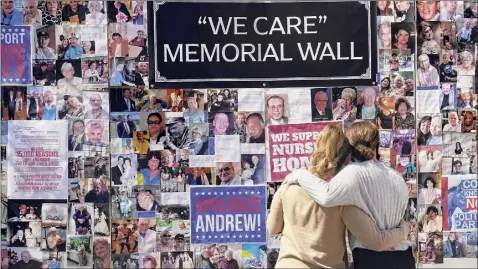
313	236
368	184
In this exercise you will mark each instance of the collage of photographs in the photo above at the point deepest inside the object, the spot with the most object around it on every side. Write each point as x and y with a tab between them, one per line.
438	100
136	154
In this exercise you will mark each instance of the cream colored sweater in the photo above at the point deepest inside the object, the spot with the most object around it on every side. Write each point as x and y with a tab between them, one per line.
314	236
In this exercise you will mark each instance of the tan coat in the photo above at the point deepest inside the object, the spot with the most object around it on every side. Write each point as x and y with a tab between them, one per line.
314	236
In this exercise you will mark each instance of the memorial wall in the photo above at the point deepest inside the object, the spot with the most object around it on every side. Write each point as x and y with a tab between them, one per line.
154	134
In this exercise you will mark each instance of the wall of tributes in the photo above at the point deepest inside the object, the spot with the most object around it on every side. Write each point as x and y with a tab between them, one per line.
130	140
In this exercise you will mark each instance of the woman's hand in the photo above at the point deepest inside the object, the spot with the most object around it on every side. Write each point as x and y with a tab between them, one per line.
291	179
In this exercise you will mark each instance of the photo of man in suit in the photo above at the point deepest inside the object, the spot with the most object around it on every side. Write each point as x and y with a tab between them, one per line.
117	171
9	102
76	140
124	103
276	110
124	129
321	111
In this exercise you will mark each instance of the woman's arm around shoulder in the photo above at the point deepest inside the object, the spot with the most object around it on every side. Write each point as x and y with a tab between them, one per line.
367	231
275	220
340	190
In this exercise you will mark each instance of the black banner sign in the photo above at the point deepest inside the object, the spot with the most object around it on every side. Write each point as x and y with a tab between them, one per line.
293	43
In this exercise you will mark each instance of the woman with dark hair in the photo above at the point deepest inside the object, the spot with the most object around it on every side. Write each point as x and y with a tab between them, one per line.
458	148
363	184
51	14
429	194
306	225
401	36
383	8
424	130
385	87
404	119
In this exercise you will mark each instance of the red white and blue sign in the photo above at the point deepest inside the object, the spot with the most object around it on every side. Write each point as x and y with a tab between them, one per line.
16	55
234	214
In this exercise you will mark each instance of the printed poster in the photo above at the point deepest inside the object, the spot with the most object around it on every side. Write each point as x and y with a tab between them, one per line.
290	147
460	203
37	161
228	214
16	55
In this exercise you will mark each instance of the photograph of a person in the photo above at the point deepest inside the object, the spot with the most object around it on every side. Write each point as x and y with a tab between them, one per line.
451	10
44	73
384	32
119	11
74	12
430	218
68	74
223	100
199	138
194	104
344	104
321	104
276	109
147	197
45	43
96	105
221	123
428	11
137	41
14	103
429	37
54	239
253	169
24	234
96	13
121	100
124	206
79	251
70	107
95	70
403	36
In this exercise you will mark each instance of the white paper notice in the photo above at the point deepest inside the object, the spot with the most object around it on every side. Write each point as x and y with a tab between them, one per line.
250	99
202	161
37	164
228	148
299	103
428	100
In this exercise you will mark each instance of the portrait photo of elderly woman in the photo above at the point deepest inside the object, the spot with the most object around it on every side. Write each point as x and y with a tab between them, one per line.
404	118
465	64
96	15
344	105
51	13
69	77
366	97
384	33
